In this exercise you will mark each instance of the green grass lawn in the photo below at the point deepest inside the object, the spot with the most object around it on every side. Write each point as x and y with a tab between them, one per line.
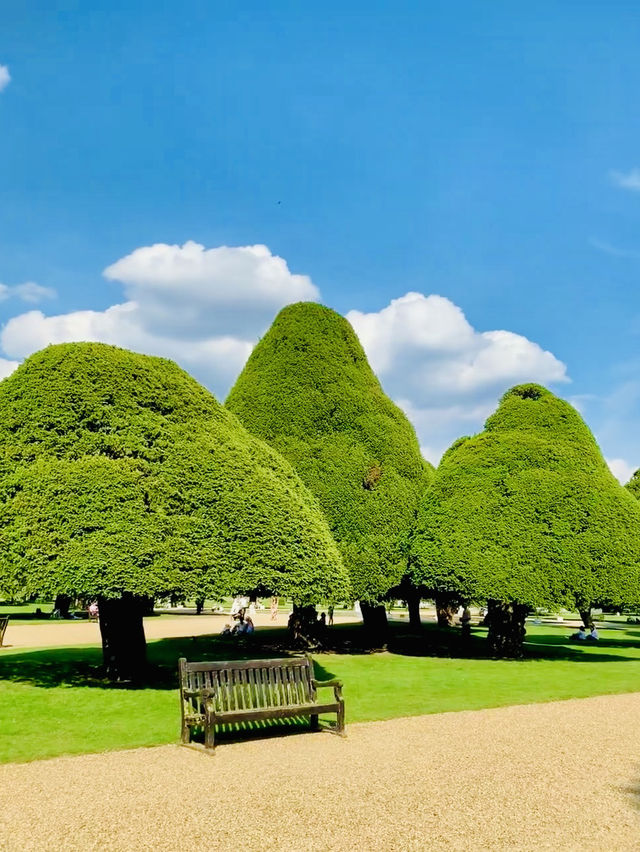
51	702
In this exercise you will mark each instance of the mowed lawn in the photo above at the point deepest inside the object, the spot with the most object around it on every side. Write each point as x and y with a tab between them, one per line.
51	703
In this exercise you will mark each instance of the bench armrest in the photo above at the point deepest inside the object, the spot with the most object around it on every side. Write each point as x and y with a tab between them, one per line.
197	693
335	683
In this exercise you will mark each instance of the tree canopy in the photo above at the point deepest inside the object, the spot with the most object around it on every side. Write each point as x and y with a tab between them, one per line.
120	474
308	390
528	512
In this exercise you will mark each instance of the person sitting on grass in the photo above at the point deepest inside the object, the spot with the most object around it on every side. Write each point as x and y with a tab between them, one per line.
580	636
593	636
244	627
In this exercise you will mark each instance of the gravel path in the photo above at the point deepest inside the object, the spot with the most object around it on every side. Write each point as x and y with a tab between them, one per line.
59	634
550	776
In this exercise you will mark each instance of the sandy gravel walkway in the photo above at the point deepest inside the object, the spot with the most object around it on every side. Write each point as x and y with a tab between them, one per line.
59	634
550	776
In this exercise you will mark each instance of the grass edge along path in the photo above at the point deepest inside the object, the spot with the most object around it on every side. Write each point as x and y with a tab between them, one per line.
50	707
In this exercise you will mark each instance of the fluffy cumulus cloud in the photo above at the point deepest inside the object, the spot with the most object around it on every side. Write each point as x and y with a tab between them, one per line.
187	290
204	308
445	374
627	180
5	77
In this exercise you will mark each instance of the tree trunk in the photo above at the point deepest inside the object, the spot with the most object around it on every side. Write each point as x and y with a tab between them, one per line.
446	608
62	604
506	628
587	620
148	605
124	648
199	605
413	605
374	619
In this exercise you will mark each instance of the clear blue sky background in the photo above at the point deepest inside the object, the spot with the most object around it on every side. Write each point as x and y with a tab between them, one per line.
459	148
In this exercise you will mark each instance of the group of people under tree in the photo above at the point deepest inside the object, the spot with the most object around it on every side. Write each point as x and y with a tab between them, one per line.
243	626
584	634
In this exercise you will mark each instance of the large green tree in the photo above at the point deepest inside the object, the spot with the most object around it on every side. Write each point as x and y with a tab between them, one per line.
309	391
122	478
527	514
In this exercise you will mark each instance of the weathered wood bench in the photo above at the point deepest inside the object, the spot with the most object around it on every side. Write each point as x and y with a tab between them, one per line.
252	690
4	620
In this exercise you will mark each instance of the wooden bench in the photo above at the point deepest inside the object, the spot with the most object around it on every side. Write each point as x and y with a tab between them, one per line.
4	620
252	690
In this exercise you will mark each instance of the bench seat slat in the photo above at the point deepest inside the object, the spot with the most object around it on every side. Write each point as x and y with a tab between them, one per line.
274	713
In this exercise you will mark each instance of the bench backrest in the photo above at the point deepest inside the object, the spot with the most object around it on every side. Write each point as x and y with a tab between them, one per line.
4	620
252	684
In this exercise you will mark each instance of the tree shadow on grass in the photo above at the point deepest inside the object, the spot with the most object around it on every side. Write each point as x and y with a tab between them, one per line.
81	667
434	641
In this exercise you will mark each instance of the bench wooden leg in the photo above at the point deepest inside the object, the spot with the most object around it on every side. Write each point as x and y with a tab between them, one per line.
186	732
340	721
209	733
315	723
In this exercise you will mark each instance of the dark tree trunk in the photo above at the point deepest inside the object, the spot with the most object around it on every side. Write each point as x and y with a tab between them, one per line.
124	648
446	608
62	604
413	605
199	605
587	620
374	619
148	605
506	628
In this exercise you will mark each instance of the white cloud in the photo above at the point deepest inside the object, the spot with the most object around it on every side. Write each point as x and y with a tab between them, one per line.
27	292
216	361
5	77
186	290
205	308
446	375
627	180
7	367
202	308
621	469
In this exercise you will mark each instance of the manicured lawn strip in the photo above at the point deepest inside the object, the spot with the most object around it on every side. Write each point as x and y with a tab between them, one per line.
47	710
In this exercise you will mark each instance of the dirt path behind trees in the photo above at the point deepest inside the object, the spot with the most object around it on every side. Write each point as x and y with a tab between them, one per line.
557	776
82	632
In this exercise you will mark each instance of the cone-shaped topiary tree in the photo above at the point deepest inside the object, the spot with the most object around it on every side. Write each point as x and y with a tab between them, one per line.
122	478
309	391
528	514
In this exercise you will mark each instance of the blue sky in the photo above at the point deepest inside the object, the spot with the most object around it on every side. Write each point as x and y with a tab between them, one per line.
485	153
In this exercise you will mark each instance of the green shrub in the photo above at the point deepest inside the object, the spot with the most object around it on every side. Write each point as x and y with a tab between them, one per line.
528	512
119	474
308	390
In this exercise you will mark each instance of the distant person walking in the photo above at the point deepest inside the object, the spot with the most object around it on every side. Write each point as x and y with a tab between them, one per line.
274	608
465	621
